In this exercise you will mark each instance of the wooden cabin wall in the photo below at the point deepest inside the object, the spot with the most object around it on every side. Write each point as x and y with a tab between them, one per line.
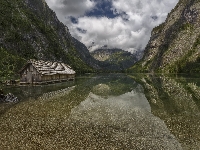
62	76
35	75
54	77
23	76
45	78
57	77
30	75
71	76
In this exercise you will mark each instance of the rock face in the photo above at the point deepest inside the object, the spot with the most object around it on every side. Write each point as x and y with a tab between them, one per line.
117	57
174	45
30	30
9	98
84	54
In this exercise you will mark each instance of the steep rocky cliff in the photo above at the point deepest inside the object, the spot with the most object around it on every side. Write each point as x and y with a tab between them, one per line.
29	29
174	45
85	54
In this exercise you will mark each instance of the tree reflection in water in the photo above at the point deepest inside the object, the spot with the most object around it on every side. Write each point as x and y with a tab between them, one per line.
107	112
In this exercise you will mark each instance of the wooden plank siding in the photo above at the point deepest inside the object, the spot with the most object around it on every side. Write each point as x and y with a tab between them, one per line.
30	75
33	74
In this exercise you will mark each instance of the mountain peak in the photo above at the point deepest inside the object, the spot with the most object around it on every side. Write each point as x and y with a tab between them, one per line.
174	45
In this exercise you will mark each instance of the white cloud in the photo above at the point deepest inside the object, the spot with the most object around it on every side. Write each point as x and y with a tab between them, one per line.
66	8
131	34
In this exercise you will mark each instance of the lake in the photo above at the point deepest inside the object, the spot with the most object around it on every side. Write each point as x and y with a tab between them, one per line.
105	111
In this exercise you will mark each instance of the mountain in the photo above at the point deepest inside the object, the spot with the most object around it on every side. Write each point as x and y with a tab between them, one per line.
174	45
118	57
29	29
114	64
84	54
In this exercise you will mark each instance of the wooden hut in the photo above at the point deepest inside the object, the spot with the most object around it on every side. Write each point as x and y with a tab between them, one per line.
35	72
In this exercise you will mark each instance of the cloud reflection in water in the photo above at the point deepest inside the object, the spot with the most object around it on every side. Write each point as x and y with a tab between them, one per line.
122	122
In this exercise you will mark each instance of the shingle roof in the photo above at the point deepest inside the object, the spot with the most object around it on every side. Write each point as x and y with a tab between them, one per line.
51	68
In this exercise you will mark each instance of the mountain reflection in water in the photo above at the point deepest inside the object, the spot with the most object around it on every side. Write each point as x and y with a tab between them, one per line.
122	122
111	111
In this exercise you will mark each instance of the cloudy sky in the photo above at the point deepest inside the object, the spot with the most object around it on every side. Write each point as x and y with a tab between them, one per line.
124	24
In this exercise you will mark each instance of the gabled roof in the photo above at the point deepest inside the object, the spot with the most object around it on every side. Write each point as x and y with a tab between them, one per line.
50	68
